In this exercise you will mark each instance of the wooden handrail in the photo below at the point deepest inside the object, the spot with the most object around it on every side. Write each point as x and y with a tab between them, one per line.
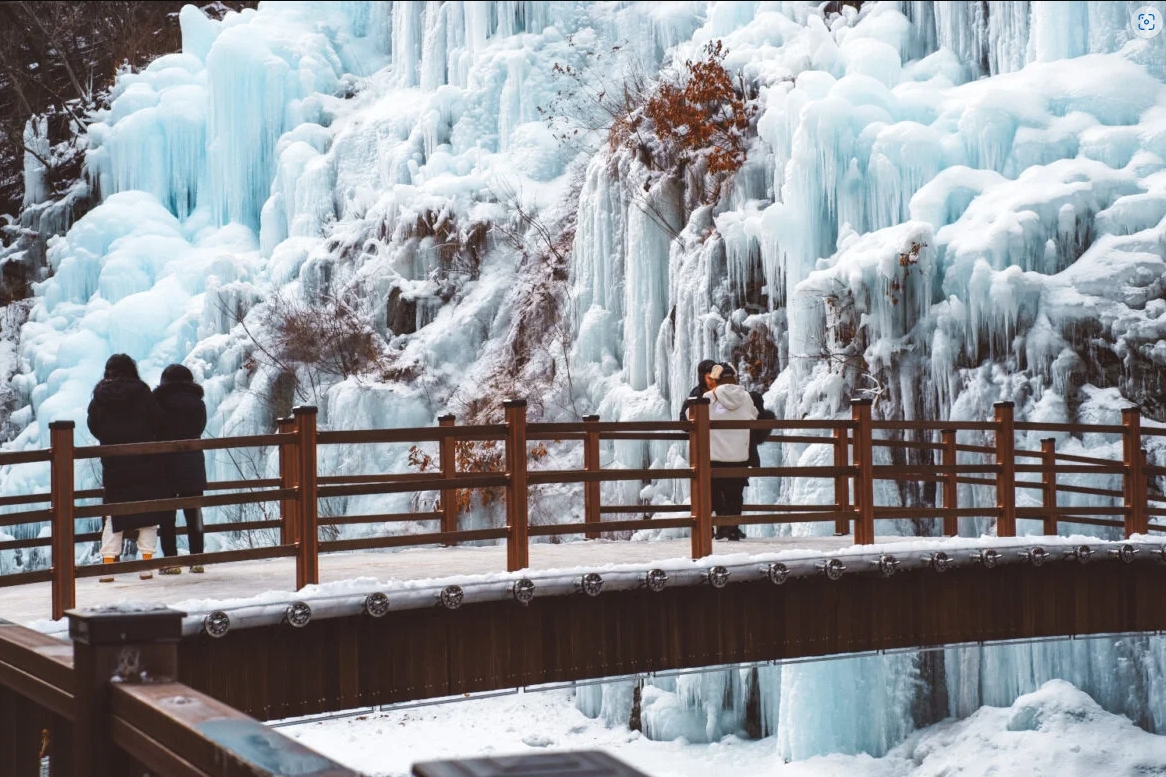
176	446
299	487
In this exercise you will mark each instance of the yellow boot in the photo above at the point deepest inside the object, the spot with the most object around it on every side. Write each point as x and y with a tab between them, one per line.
107	560
146	574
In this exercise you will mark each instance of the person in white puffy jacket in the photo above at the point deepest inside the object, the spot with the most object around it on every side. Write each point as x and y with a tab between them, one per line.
729	447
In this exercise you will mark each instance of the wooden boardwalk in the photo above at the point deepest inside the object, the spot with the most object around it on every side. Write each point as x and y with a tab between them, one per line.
28	604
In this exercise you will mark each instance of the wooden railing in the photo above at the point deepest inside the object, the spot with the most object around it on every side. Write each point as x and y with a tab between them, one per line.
110	706
929	450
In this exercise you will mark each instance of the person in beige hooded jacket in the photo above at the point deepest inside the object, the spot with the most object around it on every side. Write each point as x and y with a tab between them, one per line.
729	447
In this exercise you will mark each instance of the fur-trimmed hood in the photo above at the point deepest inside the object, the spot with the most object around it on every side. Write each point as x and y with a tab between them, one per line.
171	390
119	394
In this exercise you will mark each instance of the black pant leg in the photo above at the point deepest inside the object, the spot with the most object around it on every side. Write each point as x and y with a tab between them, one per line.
194	535
166	534
193	516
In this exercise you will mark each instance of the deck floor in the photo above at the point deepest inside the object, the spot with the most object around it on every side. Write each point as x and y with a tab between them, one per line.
28	604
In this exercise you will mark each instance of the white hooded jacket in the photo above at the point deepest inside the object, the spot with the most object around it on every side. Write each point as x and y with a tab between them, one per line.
730	402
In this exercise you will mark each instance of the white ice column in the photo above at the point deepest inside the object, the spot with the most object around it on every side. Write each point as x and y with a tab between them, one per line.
245	119
598	266
408	36
1059	30
651	221
434	56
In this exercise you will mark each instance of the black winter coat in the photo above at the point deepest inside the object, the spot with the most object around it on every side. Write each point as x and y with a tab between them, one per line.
124	411
183	418
697	392
757	436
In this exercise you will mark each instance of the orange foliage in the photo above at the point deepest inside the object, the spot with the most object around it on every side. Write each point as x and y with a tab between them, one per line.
472	458
698	115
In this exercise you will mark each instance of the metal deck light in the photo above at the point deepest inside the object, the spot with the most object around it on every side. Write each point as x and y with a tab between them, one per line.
1037	556
777	573
718	577
216	624
939	561
523	591
592	584
376	604
451	597
989	558
833	568
655	580
887	564
298	614
1125	553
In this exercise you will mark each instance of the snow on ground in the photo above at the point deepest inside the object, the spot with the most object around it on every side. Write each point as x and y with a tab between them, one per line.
1055	731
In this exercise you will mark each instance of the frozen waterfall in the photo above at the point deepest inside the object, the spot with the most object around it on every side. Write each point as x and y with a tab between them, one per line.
942	205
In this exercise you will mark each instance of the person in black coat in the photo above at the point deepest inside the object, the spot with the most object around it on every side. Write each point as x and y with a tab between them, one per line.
758	436
183	418
124	411
702	385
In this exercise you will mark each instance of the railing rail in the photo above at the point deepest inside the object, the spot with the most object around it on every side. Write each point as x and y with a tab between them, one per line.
109	704
920	451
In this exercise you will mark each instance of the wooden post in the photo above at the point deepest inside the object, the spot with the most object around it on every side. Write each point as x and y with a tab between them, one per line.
135	647
448	454
1134	483
307	552
700	459
591	496
61	494
1006	476
860	410
518	535
841	482
288	478
951	524
1048	460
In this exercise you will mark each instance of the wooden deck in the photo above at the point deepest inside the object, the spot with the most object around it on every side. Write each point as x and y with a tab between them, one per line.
30	603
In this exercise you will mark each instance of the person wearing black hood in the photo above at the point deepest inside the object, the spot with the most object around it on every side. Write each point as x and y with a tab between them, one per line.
702	385
124	411
183	418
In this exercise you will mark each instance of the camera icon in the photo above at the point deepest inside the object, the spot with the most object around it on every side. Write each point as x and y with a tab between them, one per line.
1147	21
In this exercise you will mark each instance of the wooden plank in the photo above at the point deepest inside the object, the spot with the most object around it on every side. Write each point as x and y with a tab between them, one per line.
38	667
701	484
417	482
542	477
63	510
219	557
25	578
205	735
12	458
406	540
1006	477
25	499
556	529
864	478
425	434
517	487
1028	426
158	505
178	446
592	506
